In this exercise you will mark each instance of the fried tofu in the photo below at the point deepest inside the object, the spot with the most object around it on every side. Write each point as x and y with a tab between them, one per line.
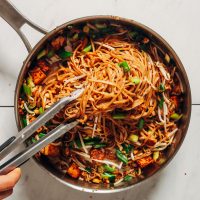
37	75
74	171
143	162
43	66
51	150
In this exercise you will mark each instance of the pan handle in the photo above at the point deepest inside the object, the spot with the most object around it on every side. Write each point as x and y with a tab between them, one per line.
16	20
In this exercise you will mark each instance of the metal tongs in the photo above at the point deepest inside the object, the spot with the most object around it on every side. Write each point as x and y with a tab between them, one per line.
26	132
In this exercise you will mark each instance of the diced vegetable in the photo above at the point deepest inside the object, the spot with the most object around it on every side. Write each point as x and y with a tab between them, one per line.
107	168
100	145
74	171
143	162
88	169
127	147
118	116
50	53
87	49
167	58
135	80
125	66
141	124
41	135
121	156
30	82
162	87
155	155
24	121
27	89
78	143
33	140
109	176
160	103
41	54
91	141
128	178
41	110
65	54
175	116
133	138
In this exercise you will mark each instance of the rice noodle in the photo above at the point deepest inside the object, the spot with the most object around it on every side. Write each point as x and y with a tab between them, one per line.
105	45
28	110
123	105
82	143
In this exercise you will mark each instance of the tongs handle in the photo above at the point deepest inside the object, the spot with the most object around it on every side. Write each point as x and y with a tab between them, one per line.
6	143
26	132
31	150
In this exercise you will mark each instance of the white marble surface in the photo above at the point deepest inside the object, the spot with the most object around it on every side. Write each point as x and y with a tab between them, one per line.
178	22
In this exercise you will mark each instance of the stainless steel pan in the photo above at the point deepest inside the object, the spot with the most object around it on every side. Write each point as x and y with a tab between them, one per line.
17	20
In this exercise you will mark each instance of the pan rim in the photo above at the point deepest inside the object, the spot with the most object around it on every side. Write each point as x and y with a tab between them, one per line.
131	22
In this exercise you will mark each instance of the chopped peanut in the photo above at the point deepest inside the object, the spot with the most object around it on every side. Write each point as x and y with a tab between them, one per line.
58	42
50	150
74	171
97	154
37	75
143	162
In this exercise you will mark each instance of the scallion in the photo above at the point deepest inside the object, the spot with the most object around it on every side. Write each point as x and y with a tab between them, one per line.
175	116
141	124
125	66
121	156
135	80
160	103
50	53
41	54
162	87
118	116
133	138
27	89
108	168
41	135
65	54
109	176
87	49
41	110
128	178
155	155
127	147
100	145
88	169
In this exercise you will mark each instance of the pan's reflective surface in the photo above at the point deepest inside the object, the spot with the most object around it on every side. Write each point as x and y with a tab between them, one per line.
160	43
